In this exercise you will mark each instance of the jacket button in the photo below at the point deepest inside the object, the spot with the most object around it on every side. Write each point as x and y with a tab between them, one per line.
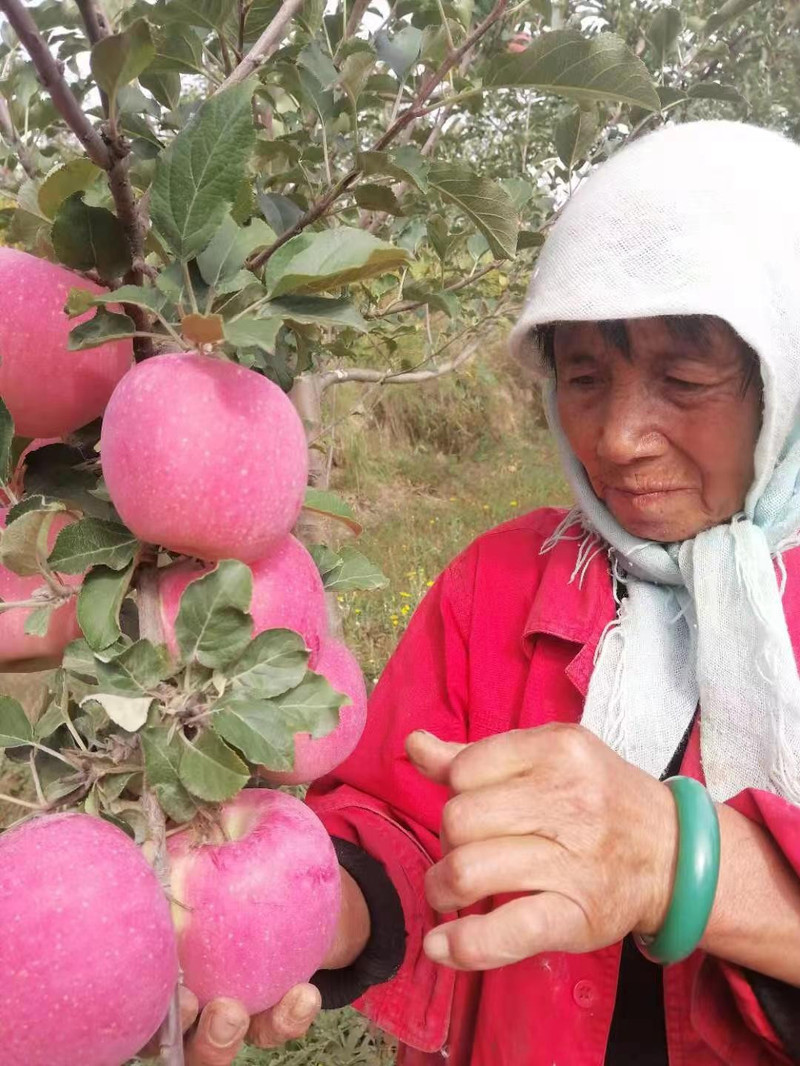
584	994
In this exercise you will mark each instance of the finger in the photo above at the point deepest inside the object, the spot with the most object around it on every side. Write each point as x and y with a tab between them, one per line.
189	1008
287	1020
518	930
220	1034
512	808
507	755
491	867
432	756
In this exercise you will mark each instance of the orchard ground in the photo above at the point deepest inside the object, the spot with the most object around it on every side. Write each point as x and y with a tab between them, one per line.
426	469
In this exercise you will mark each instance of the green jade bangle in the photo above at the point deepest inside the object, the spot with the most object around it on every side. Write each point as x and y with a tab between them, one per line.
696	875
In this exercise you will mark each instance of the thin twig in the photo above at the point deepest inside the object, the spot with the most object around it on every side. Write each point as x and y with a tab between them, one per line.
413	112
10	134
51	78
37	784
408	377
20	803
413	305
265	45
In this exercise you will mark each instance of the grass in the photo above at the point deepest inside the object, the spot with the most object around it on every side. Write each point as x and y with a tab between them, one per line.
426	468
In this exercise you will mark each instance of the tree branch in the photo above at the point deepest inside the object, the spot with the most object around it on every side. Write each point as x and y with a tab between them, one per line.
94	19
411	113
10	134
406	377
265	45
355	17
51	78
413	305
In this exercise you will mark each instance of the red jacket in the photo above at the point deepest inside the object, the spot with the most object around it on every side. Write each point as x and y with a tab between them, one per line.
504	640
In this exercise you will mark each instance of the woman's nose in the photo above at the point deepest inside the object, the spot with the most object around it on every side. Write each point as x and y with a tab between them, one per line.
630	429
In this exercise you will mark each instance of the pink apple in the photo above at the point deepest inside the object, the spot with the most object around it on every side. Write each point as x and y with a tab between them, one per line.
256	912
519	42
287	594
204	457
87	955
49	390
15	643
316	756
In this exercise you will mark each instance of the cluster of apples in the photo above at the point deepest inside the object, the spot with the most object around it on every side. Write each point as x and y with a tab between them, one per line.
206	459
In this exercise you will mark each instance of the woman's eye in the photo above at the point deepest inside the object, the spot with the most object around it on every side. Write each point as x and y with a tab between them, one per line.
583	380
685	386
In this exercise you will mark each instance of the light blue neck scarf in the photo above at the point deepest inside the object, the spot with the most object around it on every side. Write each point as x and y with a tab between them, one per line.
658	231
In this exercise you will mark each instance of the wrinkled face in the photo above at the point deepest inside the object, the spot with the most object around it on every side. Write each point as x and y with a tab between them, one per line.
664	421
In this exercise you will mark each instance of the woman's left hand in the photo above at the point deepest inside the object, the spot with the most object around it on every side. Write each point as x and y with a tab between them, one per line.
555	814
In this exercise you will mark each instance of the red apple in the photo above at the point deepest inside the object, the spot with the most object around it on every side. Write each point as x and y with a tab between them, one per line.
255	911
519	42
87	954
15	643
287	594
315	757
204	457
49	390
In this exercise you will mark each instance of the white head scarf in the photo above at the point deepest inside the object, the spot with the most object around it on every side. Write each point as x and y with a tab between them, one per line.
702	218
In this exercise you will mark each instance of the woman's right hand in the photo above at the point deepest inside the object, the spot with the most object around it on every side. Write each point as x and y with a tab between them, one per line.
224	1025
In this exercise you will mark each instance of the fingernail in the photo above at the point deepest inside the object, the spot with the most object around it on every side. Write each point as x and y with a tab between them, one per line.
436	947
223	1030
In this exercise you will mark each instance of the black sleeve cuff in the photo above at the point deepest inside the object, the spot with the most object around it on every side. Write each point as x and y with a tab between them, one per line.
781	1004
386	947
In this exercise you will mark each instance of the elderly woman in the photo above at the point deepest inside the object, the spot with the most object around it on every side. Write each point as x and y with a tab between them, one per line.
596	857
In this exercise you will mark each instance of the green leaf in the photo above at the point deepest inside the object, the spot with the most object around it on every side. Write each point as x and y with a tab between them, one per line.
15	729
319	310
529	239
574	136
210	770
57	472
314	262
710	90
279	211
314	60
251	331
731	10
165	87
264	730
92	542
663	34
401	51
64	180
276	660
38	621
19	541
355	573
213	625
483	201
79	300
377	198
326	559
405	164
6	442
50	721
90	238
104	326
120	58
162	755
197	178
332	506
179	50
584	69
208	14
128	712
135	671
356	69
99	603
230	247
